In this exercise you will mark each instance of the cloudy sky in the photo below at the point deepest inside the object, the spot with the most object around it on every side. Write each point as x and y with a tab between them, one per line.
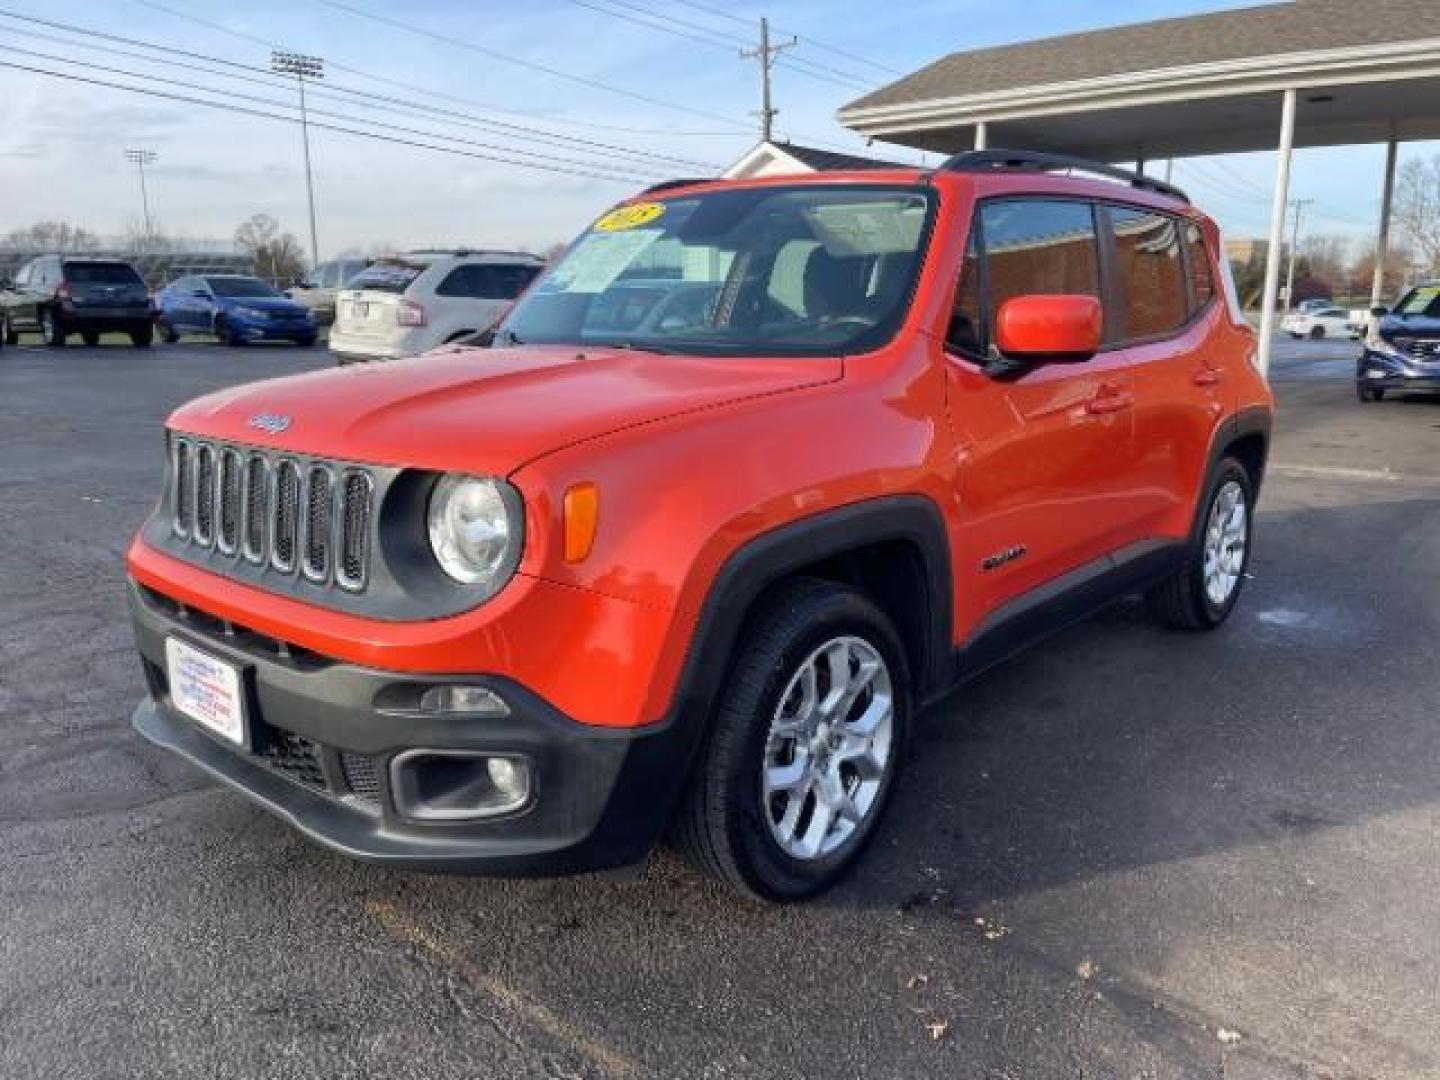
560	67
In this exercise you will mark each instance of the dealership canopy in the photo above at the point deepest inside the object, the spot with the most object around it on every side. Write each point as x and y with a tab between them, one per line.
1307	73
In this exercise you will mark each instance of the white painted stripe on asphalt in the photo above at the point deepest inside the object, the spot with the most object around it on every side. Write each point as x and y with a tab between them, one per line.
1340	472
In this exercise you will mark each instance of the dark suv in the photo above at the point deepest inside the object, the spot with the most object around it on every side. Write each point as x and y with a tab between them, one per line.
59	295
1402	349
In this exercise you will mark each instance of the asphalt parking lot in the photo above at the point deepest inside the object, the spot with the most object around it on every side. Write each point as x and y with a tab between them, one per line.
1129	853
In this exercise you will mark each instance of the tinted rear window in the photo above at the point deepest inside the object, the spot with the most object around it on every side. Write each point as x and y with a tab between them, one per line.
101	274
387	276
488	281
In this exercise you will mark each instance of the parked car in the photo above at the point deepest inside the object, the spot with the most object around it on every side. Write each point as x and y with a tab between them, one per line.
1316	303
528	608
232	308
1402	351
408	304
317	289
1318	323
57	296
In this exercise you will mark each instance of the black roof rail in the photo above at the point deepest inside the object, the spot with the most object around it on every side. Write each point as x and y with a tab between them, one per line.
979	161
685	181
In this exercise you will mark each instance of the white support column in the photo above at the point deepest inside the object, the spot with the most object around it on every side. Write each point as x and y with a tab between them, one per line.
1382	239
982	135
1277	228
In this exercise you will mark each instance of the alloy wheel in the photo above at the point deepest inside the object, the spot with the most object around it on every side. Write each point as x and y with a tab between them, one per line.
1226	537
828	748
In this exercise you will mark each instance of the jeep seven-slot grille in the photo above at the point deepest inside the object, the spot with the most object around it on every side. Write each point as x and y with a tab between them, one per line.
269	509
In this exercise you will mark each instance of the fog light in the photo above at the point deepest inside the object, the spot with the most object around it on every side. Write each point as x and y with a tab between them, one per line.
473	700
458	785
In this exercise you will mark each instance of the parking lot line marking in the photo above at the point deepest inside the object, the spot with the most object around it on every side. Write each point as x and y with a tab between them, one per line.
1340	472
610	1061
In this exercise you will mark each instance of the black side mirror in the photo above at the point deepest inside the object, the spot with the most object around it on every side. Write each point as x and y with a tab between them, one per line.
1379	312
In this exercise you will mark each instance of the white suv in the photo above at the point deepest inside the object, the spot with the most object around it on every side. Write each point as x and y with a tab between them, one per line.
402	305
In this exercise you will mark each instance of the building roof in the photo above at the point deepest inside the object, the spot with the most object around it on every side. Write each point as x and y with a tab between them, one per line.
1363	72
776	157
1273	29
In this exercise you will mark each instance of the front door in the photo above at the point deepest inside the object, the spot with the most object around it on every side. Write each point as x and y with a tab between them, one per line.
1044	475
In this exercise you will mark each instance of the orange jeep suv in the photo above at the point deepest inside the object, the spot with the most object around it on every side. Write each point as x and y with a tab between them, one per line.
756	470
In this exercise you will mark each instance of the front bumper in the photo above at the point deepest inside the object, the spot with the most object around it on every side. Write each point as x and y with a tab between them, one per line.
322	734
1378	371
272	329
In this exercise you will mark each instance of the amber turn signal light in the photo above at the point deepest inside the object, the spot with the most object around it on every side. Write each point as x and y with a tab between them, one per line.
582	516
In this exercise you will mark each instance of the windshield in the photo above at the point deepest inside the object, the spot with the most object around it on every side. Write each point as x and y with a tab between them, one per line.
804	271
240	287
387	275
1423	301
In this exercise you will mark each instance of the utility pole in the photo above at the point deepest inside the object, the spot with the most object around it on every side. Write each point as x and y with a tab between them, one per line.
1299	205
766	54
303	67
141	158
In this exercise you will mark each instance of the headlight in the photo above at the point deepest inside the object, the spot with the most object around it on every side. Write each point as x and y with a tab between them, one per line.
1376	344
476	529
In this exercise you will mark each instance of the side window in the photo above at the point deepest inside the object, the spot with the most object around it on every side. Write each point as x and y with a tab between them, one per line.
1036	246
1150	273
1202	280
483	281
328	276
964	334
23	277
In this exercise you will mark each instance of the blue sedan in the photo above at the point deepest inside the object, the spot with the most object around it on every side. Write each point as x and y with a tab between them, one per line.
234	308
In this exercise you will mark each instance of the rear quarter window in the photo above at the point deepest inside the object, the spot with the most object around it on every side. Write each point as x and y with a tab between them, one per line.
1202	278
487	281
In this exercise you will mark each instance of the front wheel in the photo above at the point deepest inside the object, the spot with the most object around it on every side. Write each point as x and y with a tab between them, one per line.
8	331
168	333
223	333
1201	594
91	338
1316	333
804	747
306	342
52	330
1370	393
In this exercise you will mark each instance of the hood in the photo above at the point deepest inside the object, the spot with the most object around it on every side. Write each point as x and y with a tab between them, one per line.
485	410
1392	326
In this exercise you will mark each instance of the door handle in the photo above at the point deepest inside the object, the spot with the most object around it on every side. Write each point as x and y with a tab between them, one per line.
1205	377
1109	398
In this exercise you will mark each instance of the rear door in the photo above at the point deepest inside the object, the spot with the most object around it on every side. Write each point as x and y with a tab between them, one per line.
1045	482
1164	318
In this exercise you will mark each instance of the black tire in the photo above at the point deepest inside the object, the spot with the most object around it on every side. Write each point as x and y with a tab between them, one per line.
8	331
168	333
1181	601
222	332
720	826
52	328
1369	393
142	336
91	338
1316	333
306	342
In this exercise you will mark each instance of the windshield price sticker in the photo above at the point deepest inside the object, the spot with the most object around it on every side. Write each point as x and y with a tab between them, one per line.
629	217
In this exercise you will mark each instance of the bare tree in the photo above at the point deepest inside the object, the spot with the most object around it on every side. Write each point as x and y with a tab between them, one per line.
58	236
277	255
1417	209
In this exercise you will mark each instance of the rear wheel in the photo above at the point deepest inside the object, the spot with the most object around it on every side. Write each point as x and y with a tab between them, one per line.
1201	594
91	338
52	329
142	336
7	330
168	333
305	342
804	747
1316	333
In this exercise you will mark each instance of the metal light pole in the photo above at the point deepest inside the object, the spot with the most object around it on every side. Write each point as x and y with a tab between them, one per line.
141	158
303	67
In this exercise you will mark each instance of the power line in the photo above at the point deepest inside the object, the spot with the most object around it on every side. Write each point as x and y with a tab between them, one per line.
439	95
335	92
247	111
504	57
808	39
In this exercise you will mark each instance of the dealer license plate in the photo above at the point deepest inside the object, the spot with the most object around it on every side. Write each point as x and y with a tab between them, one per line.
206	689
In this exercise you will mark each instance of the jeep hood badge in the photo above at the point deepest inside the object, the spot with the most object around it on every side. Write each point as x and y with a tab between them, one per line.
270	423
